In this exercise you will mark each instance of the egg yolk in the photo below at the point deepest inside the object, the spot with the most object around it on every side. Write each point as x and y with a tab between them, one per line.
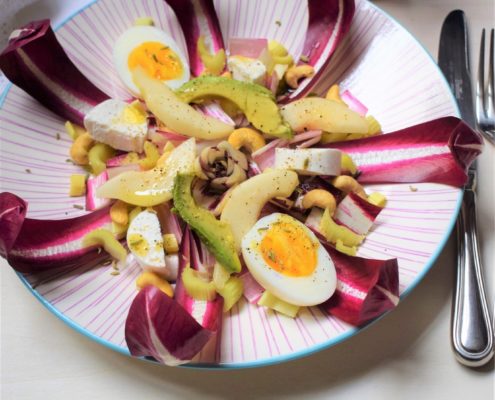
138	244
133	114
158	60
287	249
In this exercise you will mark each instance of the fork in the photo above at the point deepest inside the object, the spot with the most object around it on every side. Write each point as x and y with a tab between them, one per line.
485	93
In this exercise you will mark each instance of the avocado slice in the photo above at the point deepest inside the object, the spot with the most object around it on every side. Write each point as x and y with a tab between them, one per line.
215	234
256	102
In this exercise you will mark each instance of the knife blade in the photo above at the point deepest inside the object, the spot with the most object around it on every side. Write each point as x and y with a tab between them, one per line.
471	330
453	60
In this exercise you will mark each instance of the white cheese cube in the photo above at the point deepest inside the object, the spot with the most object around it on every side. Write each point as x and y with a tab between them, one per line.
117	124
309	161
247	69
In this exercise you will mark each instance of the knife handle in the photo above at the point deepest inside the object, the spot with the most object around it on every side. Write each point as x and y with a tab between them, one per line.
472	332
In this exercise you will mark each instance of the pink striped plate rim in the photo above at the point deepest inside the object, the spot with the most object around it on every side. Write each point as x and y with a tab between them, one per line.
380	62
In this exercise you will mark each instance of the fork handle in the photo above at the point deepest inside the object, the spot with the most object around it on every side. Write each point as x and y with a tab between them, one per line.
472	333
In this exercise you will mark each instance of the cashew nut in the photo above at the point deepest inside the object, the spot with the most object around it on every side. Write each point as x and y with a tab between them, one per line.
334	94
105	238
248	138
319	198
98	156
149	278
80	148
296	73
277	49
152	156
349	184
74	130
283	60
119	213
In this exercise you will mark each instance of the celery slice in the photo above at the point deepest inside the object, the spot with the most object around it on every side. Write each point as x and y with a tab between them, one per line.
333	232
347	164
220	275
349	250
374	127
377	199
270	301
231	292
196	286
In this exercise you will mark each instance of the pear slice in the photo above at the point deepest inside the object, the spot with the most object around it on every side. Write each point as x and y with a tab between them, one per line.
176	114
243	208
315	113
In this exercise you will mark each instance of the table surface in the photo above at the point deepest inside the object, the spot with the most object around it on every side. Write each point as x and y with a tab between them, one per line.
406	355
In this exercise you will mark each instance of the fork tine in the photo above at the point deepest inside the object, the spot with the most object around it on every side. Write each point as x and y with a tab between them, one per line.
480	82
490	106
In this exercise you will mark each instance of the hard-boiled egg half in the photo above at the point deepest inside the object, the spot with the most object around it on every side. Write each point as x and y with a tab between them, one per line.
153	50
288	260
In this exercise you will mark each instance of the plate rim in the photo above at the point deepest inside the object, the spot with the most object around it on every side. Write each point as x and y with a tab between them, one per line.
294	355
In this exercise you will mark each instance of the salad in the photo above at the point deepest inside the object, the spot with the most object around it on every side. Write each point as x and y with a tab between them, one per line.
223	176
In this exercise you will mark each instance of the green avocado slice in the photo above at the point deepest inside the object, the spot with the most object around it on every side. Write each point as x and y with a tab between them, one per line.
256	102
215	234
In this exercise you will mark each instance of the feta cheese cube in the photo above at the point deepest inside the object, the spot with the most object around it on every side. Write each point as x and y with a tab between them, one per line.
247	69
118	124
309	161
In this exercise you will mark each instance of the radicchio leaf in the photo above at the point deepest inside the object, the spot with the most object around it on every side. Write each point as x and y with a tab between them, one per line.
35	61
356	213
365	288
157	326
198	18
329	22
32	245
12	214
92	184
438	151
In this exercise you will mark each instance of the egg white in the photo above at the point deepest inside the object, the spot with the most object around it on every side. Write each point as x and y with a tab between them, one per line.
135	36
301	291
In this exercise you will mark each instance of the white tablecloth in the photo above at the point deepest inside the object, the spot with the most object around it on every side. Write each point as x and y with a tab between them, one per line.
406	355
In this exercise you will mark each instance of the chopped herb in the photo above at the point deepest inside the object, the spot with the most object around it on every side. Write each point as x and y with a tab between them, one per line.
78	206
57	136
68	160
164	48
271	256
28	170
278	22
306	163
304	58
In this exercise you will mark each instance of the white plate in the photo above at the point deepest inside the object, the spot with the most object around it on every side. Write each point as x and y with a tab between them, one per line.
380	62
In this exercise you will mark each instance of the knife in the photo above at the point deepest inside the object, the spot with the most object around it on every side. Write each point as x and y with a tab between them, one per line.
471	330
